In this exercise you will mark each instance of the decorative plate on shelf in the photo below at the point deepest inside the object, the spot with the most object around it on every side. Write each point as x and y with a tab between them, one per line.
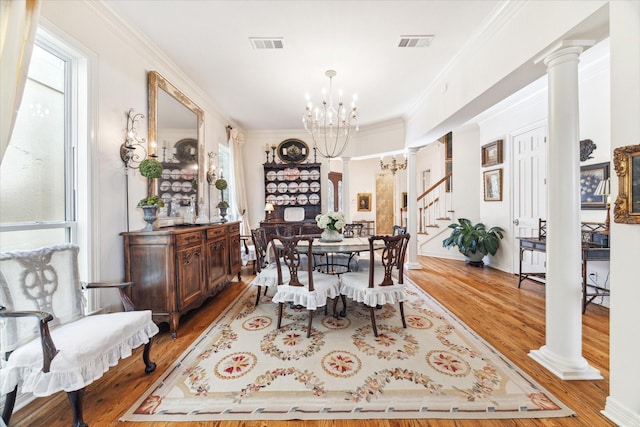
272	187
279	200
304	174
303	187
176	186
314	199
165	185
271	176
280	175
314	174
293	151
291	174
314	187
293	187
271	198
283	187
166	174
175	174
186	187
302	199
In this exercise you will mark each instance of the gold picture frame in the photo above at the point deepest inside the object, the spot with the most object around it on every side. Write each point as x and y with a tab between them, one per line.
492	153
364	202
626	161
493	185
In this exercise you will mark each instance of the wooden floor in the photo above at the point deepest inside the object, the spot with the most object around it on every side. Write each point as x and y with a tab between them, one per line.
511	319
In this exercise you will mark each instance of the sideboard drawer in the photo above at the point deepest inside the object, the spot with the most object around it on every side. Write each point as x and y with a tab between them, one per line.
233	228
215	232
187	239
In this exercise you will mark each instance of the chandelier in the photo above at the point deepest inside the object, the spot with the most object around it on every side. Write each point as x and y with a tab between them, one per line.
330	126
394	166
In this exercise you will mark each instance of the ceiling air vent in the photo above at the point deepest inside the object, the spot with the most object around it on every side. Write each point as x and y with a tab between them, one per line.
415	41
267	42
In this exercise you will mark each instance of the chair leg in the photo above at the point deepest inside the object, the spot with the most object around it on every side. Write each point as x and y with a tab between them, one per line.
75	399
9	403
280	307
373	321
404	322
150	366
311	312
258	294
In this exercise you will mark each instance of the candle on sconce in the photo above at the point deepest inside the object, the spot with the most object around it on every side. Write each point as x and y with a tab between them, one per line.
192	151
266	147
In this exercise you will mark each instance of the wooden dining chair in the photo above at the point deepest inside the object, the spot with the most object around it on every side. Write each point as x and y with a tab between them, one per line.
267	273
352	230
306	288
377	284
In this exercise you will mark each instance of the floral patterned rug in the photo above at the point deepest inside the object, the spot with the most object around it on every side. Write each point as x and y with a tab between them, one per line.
242	368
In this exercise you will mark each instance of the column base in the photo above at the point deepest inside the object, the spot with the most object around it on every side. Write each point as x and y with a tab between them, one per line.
563	368
619	414
413	266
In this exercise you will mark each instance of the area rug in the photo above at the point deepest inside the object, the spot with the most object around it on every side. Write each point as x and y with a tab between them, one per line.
242	368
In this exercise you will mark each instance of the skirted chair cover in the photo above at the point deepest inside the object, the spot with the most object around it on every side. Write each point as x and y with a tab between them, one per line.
374	284
47	281
307	288
266	268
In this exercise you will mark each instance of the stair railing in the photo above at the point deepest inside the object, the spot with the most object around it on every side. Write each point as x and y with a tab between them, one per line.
435	204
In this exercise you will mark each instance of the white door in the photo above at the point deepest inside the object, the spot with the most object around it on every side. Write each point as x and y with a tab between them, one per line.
530	193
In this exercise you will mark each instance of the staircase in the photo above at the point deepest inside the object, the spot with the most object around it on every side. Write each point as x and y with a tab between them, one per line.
435	211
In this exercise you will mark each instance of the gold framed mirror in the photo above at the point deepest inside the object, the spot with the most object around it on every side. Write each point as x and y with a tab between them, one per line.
176	139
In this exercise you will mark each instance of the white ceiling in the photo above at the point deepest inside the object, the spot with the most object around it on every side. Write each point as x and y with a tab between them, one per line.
265	89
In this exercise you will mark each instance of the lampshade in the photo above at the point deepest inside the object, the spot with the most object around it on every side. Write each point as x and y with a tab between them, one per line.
603	188
268	207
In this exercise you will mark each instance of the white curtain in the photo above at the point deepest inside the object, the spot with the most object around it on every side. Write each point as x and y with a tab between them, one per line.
18	25
236	141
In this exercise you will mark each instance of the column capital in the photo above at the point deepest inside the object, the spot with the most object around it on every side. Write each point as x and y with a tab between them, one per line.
562	48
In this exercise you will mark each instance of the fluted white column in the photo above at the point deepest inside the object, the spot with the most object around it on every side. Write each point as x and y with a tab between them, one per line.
412	210
562	352
346	195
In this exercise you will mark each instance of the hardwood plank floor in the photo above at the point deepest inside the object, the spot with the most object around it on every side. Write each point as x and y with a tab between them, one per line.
510	319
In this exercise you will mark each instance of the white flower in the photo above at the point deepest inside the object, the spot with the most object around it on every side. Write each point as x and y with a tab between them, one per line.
331	220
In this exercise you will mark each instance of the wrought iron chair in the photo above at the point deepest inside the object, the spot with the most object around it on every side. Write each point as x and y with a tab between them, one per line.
309	289
352	230
376	285
397	230
48	343
267	273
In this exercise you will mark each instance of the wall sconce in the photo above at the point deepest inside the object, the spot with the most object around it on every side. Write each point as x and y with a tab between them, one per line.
268	208
604	189
393	166
132	150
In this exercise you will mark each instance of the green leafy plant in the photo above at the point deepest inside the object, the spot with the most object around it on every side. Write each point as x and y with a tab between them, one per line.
223	204
470	238
151	201
221	184
151	168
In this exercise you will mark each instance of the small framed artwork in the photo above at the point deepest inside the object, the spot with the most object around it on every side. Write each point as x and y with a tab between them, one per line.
626	161
404	200
492	153
364	202
493	185
590	177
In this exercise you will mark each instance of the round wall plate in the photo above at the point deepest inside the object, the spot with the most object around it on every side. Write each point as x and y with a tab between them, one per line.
293	151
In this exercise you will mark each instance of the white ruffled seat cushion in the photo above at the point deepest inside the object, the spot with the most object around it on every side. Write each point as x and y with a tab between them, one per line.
355	285
268	276
87	348
324	286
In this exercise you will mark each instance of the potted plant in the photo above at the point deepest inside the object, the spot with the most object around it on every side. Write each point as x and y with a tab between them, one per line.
150	168
223	205
474	241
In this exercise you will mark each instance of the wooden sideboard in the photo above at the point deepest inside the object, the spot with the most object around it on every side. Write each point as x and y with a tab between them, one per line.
176	268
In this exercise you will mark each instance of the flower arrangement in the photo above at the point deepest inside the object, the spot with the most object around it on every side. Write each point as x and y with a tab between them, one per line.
331	220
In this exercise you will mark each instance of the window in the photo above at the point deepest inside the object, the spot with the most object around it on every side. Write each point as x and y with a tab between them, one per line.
39	196
226	171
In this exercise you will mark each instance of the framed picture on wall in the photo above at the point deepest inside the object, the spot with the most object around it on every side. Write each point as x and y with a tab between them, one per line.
492	153
364	202
493	185
627	165
590	177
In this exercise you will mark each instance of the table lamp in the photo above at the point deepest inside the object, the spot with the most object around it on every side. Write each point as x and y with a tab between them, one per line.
604	189
268	208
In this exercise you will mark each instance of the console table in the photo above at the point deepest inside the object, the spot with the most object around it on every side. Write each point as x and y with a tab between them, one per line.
176	268
595	247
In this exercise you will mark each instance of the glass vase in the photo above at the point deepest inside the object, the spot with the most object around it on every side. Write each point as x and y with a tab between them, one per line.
330	236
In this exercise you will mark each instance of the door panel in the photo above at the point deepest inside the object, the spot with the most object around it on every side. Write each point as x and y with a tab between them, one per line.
530	193
385	196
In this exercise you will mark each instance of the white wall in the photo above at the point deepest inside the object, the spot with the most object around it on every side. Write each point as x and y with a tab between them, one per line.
120	77
623	403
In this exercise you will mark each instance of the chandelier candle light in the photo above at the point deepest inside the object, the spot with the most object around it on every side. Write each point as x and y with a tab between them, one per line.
394	166
330	126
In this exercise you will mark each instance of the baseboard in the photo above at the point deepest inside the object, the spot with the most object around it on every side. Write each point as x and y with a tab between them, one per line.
620	414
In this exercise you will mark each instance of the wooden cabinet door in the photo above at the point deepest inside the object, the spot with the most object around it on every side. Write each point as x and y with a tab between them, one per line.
235	257
189	269
217	263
